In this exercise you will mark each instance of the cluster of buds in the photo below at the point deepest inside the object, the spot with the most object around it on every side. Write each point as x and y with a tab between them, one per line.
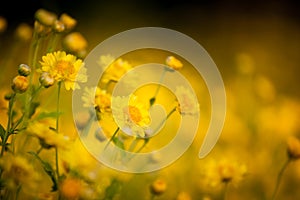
20	82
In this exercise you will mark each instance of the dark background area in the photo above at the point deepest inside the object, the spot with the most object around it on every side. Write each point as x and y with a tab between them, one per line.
269	31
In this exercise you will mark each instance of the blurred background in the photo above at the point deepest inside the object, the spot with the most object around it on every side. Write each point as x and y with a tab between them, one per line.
255	45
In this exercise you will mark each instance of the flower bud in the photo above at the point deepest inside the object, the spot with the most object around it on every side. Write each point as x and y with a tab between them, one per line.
23	32
41	29
3	24
46	79
174	63
293	148
71	188
68	21
45	17
75	42
24	70
58	26
158	187
20	84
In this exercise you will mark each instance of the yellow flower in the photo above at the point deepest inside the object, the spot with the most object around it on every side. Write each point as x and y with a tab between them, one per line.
101	101
71	188
174	63
75	43
48	138
293	148
20	84
64	67
116	70
3	24
183	196
18	171
187	101
24	32
158	187
131	114
45	17
68	21
225	171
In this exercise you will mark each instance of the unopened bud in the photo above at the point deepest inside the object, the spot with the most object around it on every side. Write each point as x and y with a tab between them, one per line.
3	24
75	42
46	79
68	21
24	70
45	17
174	63
293	148
20	84
58	26
158	187
24	32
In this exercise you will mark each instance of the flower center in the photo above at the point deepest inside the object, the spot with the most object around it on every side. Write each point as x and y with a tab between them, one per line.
64	67
135	114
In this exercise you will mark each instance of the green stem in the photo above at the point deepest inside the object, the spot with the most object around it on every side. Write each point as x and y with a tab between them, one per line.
279	177
53	42
9	123
112	137
225	191
56	129
153	99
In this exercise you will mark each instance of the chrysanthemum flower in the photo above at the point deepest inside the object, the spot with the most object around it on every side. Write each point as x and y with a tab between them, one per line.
18	171
187	101
116	70
101	101
225	171
48	138
64	67
131	114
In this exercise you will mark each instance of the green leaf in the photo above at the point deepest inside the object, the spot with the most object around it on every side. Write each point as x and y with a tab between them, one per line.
2	132
44	115
48	169
33	107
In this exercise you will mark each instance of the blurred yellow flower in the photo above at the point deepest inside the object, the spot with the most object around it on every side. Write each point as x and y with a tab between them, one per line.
174	63
116	70
131	114
224	171
158	187
17	171
293	147
64	67
68	21
187	101
101	101
71	188
24	32
3	24
48	138
75	43
183	196
45	17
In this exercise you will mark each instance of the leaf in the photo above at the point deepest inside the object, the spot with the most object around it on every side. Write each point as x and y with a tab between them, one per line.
33	107
2	132
44	115
48	169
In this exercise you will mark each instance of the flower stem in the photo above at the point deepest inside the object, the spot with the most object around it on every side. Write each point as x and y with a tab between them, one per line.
112	137
7	132
56	129
153	99
279	177
225	191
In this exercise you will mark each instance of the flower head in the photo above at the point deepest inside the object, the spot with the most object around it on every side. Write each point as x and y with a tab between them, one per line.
187	101
293	148
20	84
45	17
158	187
64	67
68	21
24	32
48	138
71	188
225	171
24	70
101	101
173	63
17	171
75	43
131	114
